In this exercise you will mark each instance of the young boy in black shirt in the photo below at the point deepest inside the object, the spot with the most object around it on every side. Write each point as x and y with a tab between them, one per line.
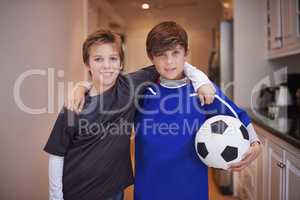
93	147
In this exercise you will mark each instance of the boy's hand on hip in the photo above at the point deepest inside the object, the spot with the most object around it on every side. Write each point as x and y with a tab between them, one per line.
206	93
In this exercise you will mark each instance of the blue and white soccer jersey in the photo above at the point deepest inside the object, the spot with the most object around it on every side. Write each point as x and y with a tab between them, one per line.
166	163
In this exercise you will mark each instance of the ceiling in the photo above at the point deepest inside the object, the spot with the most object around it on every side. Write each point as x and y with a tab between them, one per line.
156	4
190	12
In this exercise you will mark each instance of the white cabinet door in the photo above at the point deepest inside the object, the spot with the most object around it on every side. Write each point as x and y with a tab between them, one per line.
275	172
292	176
275	24
261	174
290	21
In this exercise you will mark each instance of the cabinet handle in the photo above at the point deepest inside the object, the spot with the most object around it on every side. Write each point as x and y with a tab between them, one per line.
278	38
281	165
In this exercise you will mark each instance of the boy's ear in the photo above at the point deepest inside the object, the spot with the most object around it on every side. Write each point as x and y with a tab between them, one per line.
121	68
88	68
186	55
187	52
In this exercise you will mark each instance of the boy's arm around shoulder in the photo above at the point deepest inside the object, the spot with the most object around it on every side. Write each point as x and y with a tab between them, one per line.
201	83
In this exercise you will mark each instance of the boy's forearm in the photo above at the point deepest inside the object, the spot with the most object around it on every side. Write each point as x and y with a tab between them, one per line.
148	73
197	77
252	134
56	164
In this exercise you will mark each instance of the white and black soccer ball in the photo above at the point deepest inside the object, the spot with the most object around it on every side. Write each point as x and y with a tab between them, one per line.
222	140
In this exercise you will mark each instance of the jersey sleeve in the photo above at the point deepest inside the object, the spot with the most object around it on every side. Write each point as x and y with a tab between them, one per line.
60	136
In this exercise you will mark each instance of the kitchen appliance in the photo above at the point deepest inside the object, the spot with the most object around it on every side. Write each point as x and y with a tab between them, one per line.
284	97
266	101
283	101
293	111
296	127
293	84
220	71
273	101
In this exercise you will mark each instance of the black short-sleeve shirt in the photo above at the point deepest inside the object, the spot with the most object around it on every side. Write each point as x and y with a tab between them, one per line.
96	143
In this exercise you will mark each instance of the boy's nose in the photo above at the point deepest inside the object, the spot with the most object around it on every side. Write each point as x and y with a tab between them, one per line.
169	60
106	64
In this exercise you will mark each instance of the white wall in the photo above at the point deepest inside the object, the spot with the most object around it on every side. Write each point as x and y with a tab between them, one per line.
35	34
198	23
250	63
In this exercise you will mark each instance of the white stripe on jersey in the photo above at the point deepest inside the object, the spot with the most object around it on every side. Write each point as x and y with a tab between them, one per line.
222	101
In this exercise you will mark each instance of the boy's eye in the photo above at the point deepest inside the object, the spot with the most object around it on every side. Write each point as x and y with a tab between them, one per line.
176	52
114	58
98	59
159	55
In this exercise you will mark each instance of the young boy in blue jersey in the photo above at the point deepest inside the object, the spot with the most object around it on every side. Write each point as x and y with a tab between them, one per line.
166	164
90	152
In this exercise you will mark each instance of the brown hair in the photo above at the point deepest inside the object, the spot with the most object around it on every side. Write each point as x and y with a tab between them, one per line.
165	36
100	37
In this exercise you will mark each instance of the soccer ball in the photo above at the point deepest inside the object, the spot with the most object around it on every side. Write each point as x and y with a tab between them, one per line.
221	140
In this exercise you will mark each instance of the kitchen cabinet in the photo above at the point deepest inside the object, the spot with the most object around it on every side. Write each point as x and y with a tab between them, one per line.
261	183
284	174
249	183
274	175
275	172
283	28
290	23
274	25
292	175
247	180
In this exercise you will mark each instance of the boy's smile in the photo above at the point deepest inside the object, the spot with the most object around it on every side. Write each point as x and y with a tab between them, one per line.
169	64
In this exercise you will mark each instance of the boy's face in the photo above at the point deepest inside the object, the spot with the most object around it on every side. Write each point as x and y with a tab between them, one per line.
104	64
170	63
